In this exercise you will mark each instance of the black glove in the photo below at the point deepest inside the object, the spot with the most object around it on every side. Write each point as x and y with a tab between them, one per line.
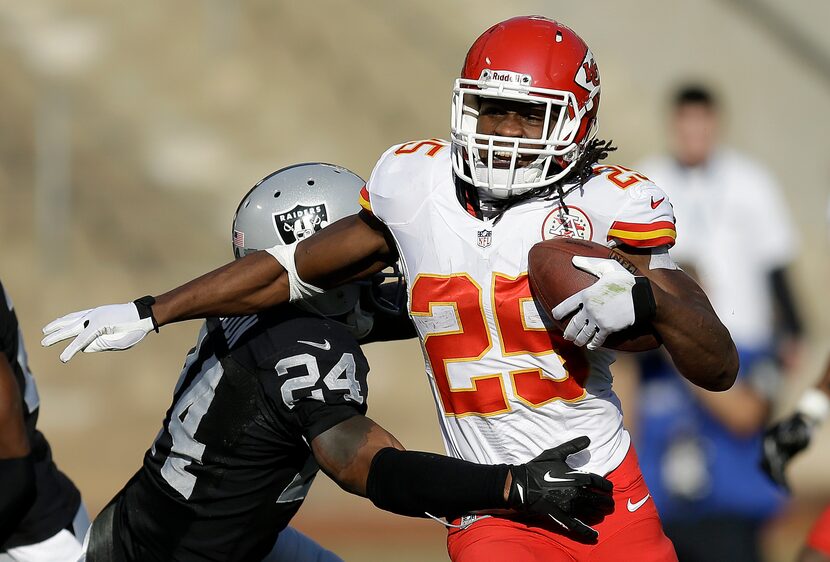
782	442
548	486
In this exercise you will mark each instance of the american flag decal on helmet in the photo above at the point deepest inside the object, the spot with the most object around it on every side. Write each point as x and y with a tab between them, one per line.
238	239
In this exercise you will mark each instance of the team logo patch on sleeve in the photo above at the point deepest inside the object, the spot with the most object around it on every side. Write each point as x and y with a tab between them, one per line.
300	222
571	224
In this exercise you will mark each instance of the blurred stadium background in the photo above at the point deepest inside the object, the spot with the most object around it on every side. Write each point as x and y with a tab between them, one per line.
129	131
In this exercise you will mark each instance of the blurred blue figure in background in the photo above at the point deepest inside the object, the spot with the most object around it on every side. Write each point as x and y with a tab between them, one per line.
700	451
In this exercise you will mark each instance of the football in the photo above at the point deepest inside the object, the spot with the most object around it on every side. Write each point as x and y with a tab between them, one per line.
553	278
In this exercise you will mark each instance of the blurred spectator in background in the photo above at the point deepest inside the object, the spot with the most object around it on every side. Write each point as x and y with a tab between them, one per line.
738	239
787	439
700	451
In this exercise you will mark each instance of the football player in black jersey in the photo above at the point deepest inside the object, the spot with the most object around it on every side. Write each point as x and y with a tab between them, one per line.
265	400
41	515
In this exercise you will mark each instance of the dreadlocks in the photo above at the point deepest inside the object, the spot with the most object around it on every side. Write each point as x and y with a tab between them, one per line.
595	150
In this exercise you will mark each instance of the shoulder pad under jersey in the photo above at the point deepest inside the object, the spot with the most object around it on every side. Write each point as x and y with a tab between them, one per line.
403	178
643	217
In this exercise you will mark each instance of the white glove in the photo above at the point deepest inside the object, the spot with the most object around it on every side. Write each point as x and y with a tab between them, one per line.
607	306
106	328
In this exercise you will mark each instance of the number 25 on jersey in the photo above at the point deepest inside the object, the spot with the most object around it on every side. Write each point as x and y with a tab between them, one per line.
469	339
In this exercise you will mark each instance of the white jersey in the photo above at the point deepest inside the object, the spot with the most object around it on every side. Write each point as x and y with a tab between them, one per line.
505	386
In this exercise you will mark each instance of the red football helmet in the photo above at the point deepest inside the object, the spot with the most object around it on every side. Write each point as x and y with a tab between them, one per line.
536	60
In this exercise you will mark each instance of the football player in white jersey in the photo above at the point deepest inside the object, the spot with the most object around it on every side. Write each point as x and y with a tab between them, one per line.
461	216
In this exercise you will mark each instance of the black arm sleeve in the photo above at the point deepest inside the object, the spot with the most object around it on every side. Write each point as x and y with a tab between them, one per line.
412	483
17	493
789	320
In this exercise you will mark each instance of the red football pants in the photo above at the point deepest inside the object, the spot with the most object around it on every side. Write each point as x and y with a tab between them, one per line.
819	537
632	532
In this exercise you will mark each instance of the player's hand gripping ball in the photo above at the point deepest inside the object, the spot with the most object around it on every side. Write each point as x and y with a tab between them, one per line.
593	294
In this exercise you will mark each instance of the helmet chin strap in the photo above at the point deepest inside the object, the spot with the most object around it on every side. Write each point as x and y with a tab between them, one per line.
359	322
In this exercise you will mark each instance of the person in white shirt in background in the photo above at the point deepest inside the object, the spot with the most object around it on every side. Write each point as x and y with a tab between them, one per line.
701	450
739	238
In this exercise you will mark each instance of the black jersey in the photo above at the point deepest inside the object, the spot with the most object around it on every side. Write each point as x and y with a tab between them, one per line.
232	462
57	499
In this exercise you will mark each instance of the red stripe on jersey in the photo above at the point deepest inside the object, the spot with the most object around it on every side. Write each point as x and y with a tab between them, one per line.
639	227
647	243
364	201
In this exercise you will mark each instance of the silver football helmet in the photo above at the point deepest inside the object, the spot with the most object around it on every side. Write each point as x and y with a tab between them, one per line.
290	205
293	203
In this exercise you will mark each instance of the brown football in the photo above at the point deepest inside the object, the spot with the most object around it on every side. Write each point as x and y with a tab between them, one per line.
553	278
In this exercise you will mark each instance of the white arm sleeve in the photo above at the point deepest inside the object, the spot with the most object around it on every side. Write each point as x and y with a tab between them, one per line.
298	289
661	259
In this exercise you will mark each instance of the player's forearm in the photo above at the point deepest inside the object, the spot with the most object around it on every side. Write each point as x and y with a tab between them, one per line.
365	459
244	286
698	342
741	410
414	483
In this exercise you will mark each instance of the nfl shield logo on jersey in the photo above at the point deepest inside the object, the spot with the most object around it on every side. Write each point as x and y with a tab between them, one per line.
300	222
573	223
485	237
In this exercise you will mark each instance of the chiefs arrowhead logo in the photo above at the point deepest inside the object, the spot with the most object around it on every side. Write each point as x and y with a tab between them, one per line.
591	72
573	224
588	74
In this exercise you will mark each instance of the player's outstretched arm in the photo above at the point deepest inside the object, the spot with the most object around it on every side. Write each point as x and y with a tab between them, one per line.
365	459
790	436
17	474
351	248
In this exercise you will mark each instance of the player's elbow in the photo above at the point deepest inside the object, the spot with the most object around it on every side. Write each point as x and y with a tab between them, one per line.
721	376
351	481
354	477
721	382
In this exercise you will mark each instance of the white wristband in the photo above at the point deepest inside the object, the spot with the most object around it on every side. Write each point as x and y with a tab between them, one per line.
661	259
814	404
298	289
